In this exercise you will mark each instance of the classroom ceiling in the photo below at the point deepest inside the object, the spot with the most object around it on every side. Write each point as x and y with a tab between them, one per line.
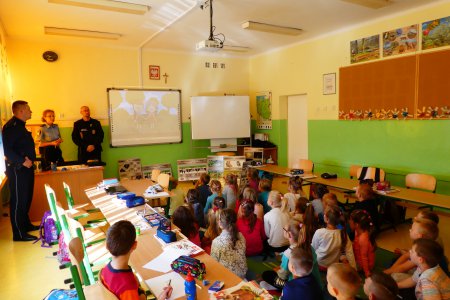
178	25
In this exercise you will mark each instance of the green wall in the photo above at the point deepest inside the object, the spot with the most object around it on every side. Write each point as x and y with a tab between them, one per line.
399	147
164	153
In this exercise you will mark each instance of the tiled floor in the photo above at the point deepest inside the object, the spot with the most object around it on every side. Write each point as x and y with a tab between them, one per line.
28	271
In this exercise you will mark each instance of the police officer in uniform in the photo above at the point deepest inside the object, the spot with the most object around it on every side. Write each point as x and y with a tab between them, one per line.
88	135
20	155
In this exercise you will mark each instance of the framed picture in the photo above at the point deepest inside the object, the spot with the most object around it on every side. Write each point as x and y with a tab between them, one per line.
154	72
329	83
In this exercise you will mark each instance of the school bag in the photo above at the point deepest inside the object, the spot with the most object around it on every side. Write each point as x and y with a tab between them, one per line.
63	252
48	233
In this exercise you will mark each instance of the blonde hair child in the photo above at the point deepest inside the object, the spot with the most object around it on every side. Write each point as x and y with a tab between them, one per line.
274	222
216	189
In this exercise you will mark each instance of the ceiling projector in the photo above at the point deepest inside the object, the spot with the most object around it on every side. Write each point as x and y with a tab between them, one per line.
209	45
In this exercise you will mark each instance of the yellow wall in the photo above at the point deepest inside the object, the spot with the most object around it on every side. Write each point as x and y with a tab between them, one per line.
299	69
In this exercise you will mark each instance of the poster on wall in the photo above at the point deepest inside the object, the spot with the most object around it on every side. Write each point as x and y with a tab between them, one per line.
130	168
400	41
191	169
215	167
365	49
264	110
436	33
164	168
233	165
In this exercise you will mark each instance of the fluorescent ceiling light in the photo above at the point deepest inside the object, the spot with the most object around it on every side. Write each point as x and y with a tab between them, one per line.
271	28
235	48
370	3
111	5
82	33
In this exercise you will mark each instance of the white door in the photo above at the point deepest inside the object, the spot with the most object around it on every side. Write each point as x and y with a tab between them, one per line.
297	129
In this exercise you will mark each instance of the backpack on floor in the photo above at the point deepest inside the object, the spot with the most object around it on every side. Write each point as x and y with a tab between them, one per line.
63	251
48	233
59	294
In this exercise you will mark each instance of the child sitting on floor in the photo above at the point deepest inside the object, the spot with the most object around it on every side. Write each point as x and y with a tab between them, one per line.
252	228
176	195
300	205
364	243
202	186
343	281
216	188
193	202
253	178
265	185
274	222
213	229
117	275
184	219
229	247
250	194
295	191
330	242
380	286
429	279
304	285
230	191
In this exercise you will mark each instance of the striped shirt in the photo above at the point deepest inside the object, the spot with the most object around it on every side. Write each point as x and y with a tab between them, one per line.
432	284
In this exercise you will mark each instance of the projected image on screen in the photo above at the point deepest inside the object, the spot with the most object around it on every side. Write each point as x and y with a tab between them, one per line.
141	117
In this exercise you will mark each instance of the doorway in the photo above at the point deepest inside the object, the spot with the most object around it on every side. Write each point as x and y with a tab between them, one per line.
297	119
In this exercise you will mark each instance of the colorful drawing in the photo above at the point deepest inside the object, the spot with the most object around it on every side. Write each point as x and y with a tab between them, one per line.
436	33
400	41
264	110
365	49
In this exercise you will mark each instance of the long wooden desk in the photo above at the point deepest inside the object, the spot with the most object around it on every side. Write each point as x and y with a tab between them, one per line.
77	178
148	247
403	194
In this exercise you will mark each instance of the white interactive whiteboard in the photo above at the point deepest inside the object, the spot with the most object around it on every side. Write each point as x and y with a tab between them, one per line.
220	117
143	117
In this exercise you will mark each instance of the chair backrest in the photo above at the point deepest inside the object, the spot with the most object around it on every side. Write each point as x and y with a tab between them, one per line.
354	171
68	194
155	174
421	181
307	165
376	174
163	180
96	291
51	198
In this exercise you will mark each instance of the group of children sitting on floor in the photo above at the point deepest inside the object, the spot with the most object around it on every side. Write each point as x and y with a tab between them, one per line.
314	238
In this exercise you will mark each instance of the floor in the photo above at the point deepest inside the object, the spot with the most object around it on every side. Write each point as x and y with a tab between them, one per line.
29	271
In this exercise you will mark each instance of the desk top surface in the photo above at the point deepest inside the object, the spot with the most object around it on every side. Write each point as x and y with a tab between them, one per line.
148	247
403	194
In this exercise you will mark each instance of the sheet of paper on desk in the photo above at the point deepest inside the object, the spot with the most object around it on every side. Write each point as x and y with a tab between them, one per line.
157	284
185	245
162	262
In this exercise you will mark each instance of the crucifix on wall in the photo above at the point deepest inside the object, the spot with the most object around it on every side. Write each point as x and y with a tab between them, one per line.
165	77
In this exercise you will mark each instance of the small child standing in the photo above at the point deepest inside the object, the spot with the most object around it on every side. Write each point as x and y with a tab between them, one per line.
229	247
274	222
430	281
343	281
202	186
216	188
117	275
330	242
295	191
304	285
364	243
230	191
380	286
265	185
176	195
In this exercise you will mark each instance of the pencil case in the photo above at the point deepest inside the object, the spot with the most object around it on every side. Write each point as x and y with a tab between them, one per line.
184	264
136	201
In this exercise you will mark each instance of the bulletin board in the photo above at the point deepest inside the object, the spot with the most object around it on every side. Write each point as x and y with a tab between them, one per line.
434	79
386	84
